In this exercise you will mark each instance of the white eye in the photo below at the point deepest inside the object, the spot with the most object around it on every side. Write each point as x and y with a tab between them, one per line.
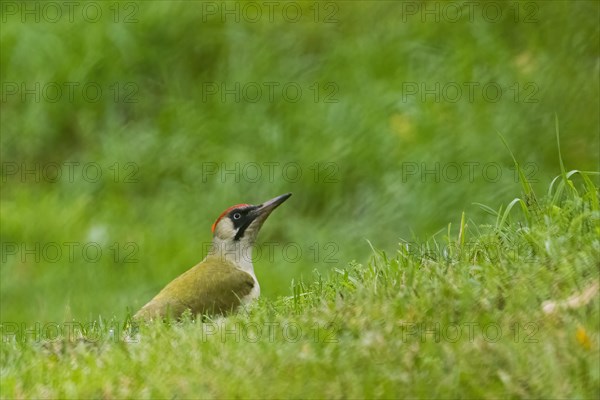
237	216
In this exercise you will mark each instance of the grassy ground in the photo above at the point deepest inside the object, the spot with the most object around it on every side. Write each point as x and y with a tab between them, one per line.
126	132
509	310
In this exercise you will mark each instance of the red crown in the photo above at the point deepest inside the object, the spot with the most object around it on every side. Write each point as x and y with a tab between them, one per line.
225	213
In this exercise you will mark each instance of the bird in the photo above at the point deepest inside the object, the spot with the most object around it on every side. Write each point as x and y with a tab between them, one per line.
224	280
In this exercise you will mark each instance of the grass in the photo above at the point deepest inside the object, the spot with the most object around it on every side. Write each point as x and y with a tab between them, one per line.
378	163
404	214
457	316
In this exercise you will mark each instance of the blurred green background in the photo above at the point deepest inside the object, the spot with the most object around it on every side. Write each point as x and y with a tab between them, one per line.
381	117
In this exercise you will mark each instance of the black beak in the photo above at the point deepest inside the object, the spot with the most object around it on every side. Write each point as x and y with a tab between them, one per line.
270	205
260	213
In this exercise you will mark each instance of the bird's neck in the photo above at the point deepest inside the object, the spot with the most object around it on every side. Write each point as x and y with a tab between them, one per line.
236	252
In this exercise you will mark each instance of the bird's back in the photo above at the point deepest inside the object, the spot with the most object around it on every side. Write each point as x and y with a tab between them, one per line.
212	287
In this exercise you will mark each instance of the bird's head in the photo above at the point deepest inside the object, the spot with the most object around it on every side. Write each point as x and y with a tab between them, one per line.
240	224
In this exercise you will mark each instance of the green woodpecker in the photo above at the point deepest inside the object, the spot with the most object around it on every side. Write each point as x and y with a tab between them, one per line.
225	279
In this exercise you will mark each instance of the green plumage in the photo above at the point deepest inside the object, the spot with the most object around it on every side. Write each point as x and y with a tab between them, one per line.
215	286
225	278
